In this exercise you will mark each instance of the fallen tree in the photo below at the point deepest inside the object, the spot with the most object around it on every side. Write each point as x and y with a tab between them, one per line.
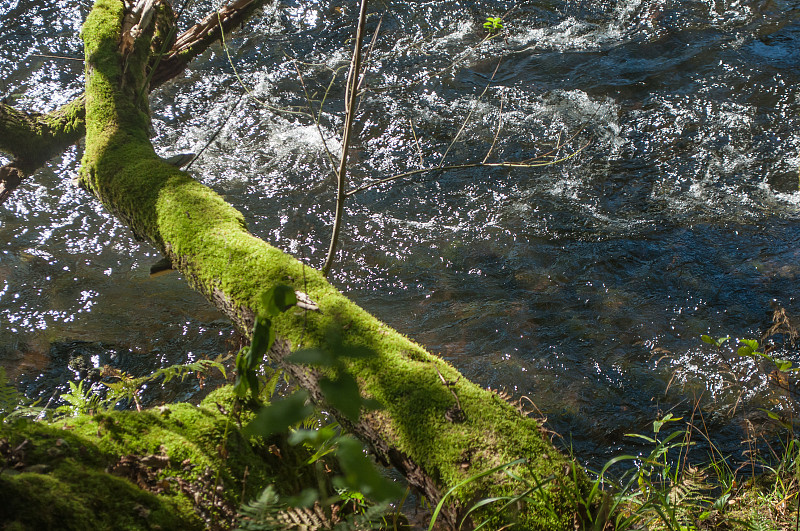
435	427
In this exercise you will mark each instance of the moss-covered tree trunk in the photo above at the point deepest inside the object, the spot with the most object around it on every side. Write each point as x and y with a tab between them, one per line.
436	427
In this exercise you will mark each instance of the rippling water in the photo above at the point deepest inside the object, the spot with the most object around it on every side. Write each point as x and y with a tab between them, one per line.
584	285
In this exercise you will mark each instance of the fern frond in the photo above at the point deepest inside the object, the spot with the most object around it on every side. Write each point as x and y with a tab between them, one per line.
690	490
759	522
183	370
268	513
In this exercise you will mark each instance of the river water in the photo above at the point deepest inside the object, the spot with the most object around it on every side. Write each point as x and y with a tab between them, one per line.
583	285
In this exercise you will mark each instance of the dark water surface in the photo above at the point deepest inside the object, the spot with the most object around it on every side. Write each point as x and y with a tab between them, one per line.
584	286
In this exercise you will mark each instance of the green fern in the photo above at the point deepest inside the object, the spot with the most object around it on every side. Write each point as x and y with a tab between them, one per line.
262	513
759	522
81	400
689	491
127	387
183	370
269	513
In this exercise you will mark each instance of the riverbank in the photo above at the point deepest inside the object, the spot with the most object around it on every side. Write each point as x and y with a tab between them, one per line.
181	466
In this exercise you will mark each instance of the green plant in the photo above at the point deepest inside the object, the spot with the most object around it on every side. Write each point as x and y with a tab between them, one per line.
13	404
126	387
274	301
508	499
357	478
269	512
81	400
10	398
493	24
751	348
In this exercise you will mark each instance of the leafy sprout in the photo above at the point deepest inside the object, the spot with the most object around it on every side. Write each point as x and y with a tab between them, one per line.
493	24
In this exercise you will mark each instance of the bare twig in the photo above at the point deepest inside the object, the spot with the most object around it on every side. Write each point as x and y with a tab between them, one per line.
416	141
499	126
216	133
530	163
239	78
352	93
316	118
57	57
469	115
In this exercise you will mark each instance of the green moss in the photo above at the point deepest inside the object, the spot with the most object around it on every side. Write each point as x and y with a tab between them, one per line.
70	488
86	500
74	471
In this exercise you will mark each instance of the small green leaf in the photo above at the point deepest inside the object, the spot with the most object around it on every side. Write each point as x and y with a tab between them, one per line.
242	384
640	436
745	351
277	300
313	437
361	475
241	359
752	343
342	394
493	24
783	365
279	415
252	382
263	337
658	424
718	342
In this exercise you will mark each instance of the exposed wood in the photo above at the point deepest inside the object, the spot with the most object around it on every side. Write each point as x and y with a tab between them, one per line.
10	177
199	37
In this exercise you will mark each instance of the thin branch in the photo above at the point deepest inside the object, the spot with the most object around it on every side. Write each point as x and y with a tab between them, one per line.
216	133
531	163
350	109
499	126
241	82
44	136
416	141
367	57
313	113
466	120
167	42
199	37
57	57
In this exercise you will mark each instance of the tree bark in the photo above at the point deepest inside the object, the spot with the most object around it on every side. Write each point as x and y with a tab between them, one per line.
436	427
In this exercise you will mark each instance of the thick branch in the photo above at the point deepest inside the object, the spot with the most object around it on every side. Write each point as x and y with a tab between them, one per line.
199	37
435	439
34	138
